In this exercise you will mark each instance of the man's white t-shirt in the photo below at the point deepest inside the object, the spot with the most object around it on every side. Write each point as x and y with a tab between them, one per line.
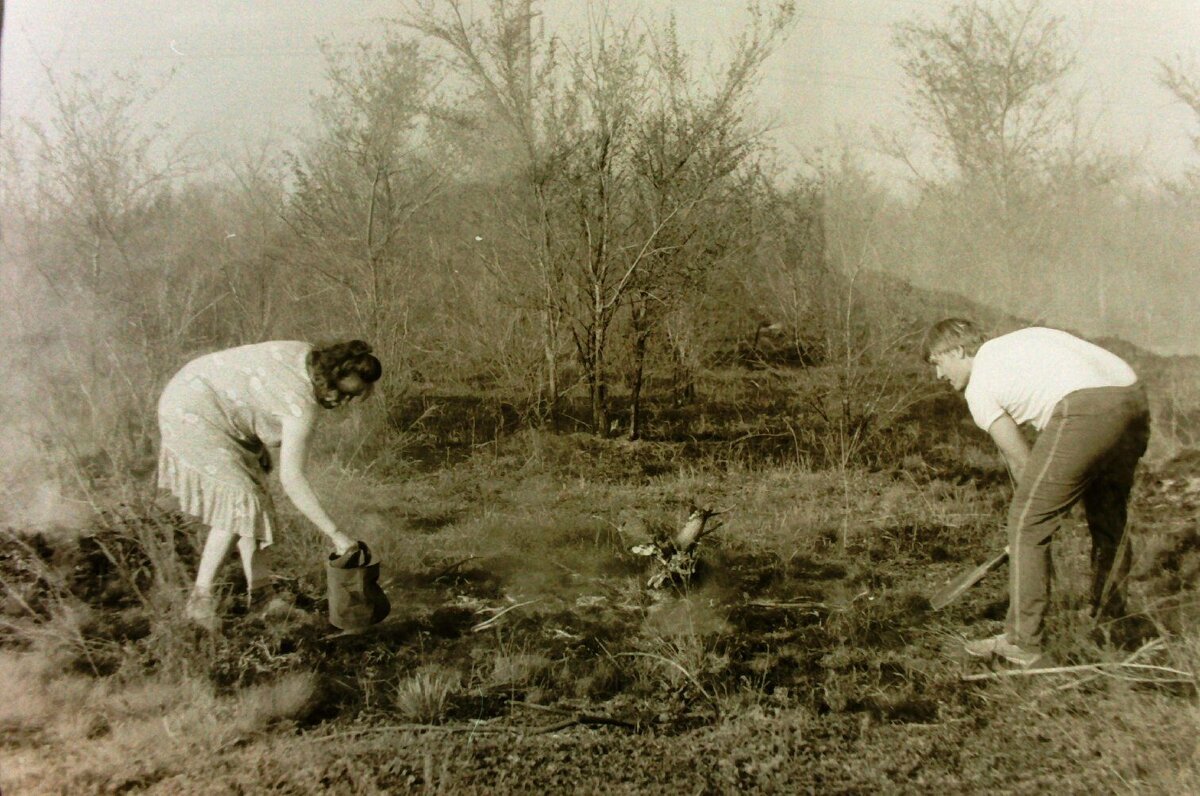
1027	372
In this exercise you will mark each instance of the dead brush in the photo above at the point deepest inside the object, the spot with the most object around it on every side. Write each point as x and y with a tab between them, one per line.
678	650
675	556
676	663
41	612
286	699
163	546
425	696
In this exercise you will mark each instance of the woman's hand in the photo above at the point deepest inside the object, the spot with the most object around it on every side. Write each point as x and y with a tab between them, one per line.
342	543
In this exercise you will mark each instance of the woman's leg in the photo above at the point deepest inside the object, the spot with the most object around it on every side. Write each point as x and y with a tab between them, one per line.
216	547
201	605
256	566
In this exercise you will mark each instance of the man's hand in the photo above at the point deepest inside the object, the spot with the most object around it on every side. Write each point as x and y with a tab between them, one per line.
1011	442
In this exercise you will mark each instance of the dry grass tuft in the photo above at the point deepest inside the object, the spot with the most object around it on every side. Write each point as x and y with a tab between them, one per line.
287	699
513	671
425	696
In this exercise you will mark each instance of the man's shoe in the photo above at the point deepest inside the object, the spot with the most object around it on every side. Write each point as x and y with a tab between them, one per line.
985	647
1021	658
1000	647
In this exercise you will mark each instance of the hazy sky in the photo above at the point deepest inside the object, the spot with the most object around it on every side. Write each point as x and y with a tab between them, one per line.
246	68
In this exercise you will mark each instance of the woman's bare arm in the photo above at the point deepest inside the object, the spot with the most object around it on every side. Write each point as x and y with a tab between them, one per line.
293	456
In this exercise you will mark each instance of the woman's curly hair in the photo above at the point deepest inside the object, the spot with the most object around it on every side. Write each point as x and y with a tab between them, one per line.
332	363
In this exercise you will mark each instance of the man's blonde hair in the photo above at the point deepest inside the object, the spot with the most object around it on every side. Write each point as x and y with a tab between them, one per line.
951	333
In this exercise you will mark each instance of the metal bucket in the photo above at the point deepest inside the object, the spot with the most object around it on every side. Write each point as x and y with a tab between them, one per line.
356	600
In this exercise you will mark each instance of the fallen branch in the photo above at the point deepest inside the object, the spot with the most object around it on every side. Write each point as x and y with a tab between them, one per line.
439	728
769	604
406	728
1101	668
547	708
1149	646
1153	680
1166	669
585	719
1086	667
573	717
571	720
488	623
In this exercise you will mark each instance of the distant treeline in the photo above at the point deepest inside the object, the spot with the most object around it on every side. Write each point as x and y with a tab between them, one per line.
496	208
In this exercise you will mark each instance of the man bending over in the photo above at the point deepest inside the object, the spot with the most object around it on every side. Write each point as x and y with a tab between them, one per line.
1093	424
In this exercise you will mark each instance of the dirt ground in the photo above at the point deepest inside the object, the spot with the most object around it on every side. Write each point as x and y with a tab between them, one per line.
525	653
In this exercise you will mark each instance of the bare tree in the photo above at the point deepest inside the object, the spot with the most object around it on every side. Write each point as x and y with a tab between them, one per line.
253	236
517	124
371	171
125	293
694	162
101	192
986	86
1183	81
615	159
987	90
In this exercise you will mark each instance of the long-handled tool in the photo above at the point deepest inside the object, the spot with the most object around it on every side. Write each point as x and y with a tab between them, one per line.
954	589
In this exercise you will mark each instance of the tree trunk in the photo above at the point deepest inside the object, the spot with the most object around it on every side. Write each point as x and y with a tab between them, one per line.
641	339
599	396
548	410
684	381
590	347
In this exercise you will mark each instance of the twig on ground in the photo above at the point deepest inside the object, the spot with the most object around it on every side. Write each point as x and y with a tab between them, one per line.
547	708
1087	667
555	727
571	720
1166	669
770	604
585	719
1153	680
447	570
407	728
489	622
1107	669
572	717
1149	646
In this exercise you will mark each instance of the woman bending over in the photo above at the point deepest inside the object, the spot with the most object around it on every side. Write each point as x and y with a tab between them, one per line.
224	417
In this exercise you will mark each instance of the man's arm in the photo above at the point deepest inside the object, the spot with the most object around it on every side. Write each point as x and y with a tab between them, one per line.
1011	442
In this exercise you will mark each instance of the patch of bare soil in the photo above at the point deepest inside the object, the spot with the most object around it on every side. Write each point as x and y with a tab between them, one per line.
826	670
591	634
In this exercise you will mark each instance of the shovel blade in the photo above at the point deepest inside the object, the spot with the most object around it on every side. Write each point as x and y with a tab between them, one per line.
954	589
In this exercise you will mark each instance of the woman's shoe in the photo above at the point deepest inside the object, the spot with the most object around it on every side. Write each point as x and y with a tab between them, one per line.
202	610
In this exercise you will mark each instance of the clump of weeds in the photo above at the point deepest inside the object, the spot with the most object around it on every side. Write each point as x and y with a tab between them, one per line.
425	696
